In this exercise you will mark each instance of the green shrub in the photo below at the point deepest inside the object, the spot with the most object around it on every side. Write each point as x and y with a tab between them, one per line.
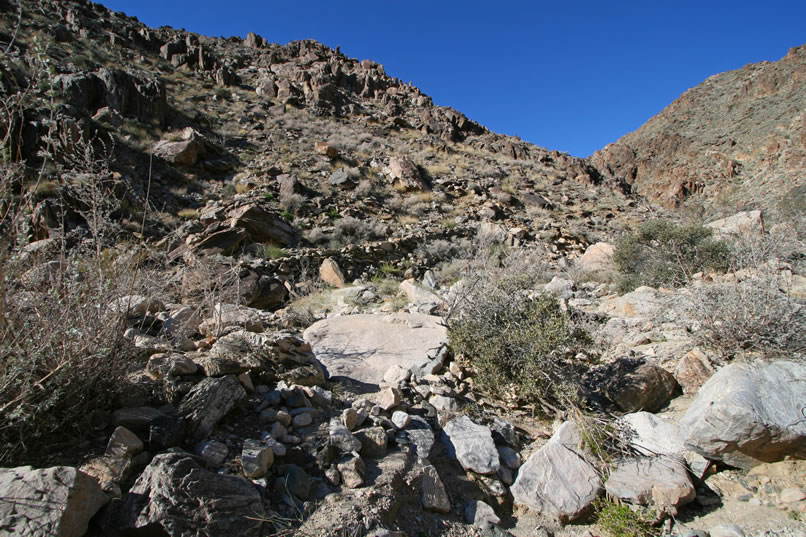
271	251
521	343
661	253
223	93
618	520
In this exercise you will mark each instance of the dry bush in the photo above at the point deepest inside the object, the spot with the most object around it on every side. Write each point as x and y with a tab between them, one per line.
354	230
62	351
755	316
291	202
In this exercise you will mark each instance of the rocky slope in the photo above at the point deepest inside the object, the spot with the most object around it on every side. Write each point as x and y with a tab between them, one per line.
228	271
736	140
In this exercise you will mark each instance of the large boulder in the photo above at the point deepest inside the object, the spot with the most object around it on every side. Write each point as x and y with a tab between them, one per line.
472	445
597	258
187	151
175	496
650	435
363	347
555	480
749	413
739	224
263	225
208	402
635	386
57	501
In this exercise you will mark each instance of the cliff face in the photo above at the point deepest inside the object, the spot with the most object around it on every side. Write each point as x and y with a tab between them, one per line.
736	140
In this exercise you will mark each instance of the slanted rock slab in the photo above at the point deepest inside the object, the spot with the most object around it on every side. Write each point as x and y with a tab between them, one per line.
472	445
662	482
207	403
57	501
555	480
364	347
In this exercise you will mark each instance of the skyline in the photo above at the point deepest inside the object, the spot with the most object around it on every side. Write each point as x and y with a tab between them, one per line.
567	77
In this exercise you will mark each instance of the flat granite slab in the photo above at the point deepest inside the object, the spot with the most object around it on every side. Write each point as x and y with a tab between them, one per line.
363	347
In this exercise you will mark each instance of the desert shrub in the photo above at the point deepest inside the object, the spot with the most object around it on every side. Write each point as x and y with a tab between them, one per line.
291	202
755	315
272	251
661	253
62	351
350	229
619	520
518	341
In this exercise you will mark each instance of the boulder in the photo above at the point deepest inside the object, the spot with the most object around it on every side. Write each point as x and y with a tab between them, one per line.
58	501
739	224
472	445
640	386
342	438
166	365
373	442
480	514
650	435
555	480
228	316
418	295
256	459
123	443
331	274
405	174
389	398
213	452
363	347
175	496
352	471
208	402
661	482
187	151
597	258
693	370
749	413
263	225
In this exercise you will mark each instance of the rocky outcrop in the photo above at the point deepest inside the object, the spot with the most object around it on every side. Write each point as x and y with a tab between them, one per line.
738	136
135	94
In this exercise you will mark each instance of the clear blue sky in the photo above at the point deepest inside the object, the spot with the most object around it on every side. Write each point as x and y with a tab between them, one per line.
571	76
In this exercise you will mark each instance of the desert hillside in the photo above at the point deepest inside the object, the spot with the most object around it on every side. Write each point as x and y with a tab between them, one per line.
270	290
737	140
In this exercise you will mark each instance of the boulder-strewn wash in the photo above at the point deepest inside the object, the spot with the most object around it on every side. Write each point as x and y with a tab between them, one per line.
234	276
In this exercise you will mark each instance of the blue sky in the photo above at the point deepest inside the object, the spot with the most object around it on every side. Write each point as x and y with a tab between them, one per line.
571	76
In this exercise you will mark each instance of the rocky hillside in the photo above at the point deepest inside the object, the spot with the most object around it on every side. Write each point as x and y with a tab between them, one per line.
736	140
262	290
